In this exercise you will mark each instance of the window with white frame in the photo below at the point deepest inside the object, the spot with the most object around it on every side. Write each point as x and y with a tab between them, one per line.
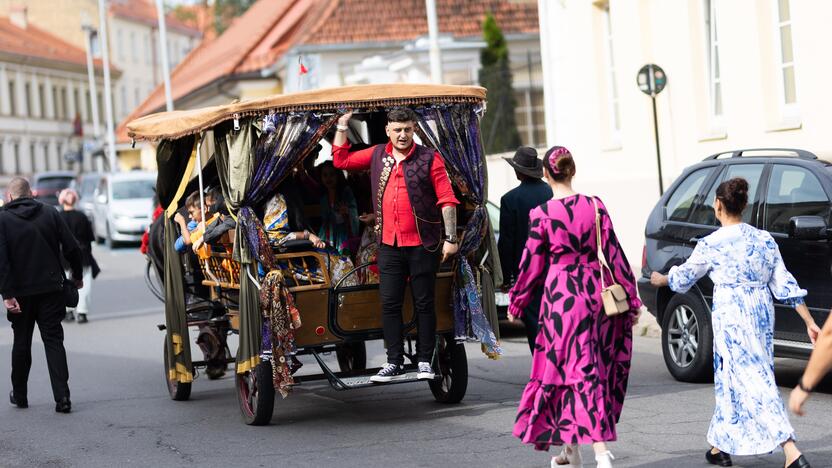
714	76
120	44
785	62
612	84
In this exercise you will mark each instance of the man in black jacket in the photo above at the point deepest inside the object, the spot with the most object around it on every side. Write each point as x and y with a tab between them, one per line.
514	225
31	283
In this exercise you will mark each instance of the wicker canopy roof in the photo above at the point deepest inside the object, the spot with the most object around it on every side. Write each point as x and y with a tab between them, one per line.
175	124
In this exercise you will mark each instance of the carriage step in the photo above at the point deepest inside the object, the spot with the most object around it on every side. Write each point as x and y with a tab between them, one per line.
364	380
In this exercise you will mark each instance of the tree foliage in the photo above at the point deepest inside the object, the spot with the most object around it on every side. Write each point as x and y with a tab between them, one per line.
226	10
499	126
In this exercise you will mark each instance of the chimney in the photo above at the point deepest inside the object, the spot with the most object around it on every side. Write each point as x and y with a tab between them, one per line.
19	17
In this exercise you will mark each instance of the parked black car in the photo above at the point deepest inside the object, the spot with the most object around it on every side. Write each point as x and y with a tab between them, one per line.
789	196
46	186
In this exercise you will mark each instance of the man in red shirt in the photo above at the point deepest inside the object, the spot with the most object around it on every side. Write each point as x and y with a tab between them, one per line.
411	192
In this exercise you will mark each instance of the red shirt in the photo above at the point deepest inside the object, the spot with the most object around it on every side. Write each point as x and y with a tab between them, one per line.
399	227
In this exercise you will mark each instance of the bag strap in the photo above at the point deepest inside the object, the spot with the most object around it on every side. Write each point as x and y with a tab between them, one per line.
57	257
601	258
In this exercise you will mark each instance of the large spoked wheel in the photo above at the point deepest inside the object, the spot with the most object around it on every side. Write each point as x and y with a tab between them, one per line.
255	393
452	367
352	356
687	339
178	391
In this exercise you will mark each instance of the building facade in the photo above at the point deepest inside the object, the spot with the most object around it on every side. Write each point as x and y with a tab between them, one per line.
45	102
740	74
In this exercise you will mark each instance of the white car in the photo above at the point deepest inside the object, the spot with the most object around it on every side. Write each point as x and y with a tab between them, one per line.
123	206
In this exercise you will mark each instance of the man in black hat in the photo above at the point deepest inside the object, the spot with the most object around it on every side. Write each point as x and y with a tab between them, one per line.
514	224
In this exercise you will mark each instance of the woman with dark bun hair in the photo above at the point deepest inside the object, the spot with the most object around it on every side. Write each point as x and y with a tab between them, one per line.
746	268
582	356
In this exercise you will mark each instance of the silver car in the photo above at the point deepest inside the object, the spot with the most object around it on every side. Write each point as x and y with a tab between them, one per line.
123	206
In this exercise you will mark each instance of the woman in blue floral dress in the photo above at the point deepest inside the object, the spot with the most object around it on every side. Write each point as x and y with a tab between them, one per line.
746	268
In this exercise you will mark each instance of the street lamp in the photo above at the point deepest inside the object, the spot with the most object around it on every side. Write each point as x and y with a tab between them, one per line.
89	33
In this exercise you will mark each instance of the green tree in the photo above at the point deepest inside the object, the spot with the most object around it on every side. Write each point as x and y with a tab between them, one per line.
226	10
499	126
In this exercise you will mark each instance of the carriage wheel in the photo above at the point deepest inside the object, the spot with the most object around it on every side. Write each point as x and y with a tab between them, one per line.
178	391
452	364
255	393
352	356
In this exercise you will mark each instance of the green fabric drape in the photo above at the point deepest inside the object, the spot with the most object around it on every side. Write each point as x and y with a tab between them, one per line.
491	277
235	161
177	342
175	161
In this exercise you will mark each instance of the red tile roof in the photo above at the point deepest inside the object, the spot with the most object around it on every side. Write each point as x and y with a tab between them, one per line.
252	42
358	21
35	42
144	11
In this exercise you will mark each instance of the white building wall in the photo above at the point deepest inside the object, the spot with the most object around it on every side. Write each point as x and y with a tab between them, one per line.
671	33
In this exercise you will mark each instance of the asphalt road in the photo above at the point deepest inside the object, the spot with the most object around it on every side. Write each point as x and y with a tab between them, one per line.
123	417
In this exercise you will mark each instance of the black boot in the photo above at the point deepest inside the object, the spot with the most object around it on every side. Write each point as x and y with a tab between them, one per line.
801	462
20	402
719	459
63	405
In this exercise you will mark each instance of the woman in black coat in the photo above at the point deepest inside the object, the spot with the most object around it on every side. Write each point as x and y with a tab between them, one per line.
81	228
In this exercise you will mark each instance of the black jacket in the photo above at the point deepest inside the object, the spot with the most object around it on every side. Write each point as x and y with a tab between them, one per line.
31	235
514	223
81	228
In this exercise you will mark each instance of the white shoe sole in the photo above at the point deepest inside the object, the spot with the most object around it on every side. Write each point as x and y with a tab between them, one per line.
379	379
425	376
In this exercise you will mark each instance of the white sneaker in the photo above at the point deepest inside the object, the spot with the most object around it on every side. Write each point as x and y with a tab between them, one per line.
572	454
604	460
425	371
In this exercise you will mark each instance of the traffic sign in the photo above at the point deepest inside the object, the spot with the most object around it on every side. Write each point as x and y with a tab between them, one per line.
651	79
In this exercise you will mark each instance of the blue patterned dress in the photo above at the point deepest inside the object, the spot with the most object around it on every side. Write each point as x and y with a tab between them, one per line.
744	264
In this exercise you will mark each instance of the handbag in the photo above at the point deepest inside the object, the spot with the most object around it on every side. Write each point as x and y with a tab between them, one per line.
614	297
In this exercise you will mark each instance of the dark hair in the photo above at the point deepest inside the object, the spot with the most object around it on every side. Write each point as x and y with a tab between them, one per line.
563	166
340	178
402	114
733	194
193	200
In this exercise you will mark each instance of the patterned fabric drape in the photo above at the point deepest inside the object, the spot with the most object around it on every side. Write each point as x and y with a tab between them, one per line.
261	155
454	131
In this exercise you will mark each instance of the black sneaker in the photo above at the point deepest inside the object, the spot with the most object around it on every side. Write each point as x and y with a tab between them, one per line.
82	318
69	317
388	373
18	402
425	371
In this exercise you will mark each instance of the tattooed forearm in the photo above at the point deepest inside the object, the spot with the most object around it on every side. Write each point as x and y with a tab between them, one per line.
449	216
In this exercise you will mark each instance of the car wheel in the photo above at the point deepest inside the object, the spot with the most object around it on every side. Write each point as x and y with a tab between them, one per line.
687	339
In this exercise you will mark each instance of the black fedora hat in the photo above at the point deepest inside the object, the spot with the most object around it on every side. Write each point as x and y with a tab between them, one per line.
525	161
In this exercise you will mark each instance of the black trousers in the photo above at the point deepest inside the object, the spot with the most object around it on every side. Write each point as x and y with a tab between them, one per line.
47	311
531	319
396	265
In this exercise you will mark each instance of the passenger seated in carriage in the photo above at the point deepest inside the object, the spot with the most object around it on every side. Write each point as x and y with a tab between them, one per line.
189	229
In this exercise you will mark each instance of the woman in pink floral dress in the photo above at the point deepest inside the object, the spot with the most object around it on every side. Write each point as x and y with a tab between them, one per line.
581	360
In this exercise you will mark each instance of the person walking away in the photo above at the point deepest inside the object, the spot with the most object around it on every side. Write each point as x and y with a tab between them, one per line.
581	361
81	228
746	268
412	193
32	235
514	226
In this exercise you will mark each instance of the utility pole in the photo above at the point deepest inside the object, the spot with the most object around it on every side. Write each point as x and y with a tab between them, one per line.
433	36
163	46
108	89
89	31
